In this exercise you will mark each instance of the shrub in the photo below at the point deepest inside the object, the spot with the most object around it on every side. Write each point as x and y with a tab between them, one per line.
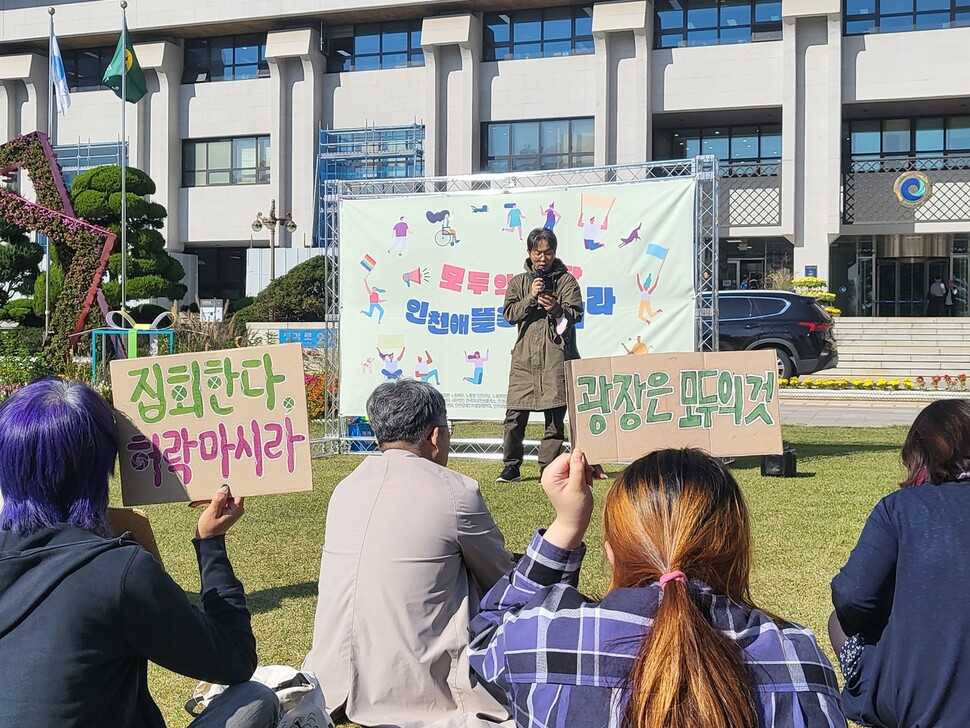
20	369
239	304
20	310
146	313
300	295
21	341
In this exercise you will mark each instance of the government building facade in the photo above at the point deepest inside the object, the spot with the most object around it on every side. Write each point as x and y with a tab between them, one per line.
842	127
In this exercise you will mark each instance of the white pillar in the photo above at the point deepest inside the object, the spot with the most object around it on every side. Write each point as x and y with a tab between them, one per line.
296	126
453	116
812	129
159	123
609	19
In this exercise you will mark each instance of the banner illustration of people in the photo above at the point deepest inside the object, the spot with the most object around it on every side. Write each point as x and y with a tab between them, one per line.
478	362
552	217
424	372
429	304
513	219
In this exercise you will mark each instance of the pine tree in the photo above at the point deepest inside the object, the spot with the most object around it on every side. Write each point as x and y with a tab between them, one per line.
152	272
19	261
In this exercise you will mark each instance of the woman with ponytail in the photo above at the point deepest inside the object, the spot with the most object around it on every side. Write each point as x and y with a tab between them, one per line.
677	642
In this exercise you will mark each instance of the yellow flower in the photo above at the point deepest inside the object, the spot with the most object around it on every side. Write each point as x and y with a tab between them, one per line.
782	382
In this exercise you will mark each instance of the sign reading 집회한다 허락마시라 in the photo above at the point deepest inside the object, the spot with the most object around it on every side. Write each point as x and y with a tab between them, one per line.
190	422
623	407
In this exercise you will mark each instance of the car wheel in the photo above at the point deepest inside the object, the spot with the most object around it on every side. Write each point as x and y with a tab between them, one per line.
785	366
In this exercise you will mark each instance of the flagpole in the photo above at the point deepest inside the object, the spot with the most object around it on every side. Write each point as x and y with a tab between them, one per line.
50	137
124	160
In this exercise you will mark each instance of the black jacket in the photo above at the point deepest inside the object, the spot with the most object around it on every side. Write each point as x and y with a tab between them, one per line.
81	615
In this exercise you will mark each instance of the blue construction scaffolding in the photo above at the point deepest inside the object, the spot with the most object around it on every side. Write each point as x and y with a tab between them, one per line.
373	152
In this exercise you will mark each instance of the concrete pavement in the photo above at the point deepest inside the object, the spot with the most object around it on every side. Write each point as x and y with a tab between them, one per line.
849	413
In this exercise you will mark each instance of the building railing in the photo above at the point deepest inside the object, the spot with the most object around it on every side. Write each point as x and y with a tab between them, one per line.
749	194
869	190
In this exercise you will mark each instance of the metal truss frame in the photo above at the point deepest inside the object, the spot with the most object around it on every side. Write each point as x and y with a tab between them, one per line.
334	439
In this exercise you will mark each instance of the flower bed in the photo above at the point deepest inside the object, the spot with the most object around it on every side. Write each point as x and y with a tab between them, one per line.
941	382
321	393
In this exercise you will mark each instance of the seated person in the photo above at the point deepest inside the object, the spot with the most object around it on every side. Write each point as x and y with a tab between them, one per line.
410	548
677	641
81	612
902	596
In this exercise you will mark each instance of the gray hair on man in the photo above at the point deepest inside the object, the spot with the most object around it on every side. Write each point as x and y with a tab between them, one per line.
405	410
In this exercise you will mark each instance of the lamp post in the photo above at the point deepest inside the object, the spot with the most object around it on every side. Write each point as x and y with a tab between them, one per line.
270	222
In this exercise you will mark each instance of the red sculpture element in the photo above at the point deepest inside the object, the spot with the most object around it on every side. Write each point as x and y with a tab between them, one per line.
82	249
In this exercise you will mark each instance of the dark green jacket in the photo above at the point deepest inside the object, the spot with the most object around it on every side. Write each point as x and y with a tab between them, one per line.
537	379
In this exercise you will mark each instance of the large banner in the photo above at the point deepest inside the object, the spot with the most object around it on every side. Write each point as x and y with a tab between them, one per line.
423	280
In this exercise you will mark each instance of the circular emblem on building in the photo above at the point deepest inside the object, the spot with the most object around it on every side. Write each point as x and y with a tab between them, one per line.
913	189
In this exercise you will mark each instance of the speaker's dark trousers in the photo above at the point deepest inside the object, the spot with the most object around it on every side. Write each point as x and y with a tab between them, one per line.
549	447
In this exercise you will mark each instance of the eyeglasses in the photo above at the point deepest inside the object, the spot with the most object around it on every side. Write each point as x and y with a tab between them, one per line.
543	253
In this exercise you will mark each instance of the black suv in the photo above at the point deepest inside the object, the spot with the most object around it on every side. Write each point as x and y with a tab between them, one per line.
797	327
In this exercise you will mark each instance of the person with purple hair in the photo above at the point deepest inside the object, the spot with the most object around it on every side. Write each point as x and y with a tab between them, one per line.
82	612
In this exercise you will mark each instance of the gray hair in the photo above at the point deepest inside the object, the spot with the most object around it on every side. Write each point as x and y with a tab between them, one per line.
405	410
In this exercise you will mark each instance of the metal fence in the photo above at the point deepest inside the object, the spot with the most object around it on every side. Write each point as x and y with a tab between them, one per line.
868	194
749	194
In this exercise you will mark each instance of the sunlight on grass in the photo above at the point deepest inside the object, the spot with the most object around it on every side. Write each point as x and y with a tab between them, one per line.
804	528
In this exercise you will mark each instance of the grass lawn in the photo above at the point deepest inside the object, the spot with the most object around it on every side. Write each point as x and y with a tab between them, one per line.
804	528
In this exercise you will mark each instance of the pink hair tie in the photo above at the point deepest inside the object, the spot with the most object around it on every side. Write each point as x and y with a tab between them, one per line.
672	576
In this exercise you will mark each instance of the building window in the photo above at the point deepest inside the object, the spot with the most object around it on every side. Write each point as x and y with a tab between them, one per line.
227	58
742	150
885	145
374	46
538	33
895	16
85	67
526	146
77	158
715	22
236	161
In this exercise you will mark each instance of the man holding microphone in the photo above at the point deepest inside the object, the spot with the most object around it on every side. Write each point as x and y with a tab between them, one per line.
545	302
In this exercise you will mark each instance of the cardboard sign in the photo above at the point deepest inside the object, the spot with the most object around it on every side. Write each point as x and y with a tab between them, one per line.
191	422
623	407
134	521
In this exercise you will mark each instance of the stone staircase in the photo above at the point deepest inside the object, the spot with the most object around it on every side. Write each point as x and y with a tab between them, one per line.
901	347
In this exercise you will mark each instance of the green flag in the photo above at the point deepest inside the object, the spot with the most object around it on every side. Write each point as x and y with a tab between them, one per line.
135	87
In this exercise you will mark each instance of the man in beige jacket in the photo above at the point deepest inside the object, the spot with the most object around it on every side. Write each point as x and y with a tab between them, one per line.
410	548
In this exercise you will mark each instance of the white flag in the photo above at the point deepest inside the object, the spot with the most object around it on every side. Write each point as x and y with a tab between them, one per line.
59	77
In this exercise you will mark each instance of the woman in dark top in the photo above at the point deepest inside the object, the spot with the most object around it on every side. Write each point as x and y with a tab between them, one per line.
904	595
81	613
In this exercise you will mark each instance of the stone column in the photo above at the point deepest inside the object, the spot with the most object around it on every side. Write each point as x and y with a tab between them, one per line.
812	129
452	50
159	123
610	20
295	143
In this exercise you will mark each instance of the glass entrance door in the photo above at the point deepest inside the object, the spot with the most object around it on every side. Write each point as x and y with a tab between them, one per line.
750	271
961	276
902	284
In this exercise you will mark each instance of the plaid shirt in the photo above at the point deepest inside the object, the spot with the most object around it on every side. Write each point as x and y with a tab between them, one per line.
563	660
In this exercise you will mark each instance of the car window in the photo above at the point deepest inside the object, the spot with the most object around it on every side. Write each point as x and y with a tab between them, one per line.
734	307
767	306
